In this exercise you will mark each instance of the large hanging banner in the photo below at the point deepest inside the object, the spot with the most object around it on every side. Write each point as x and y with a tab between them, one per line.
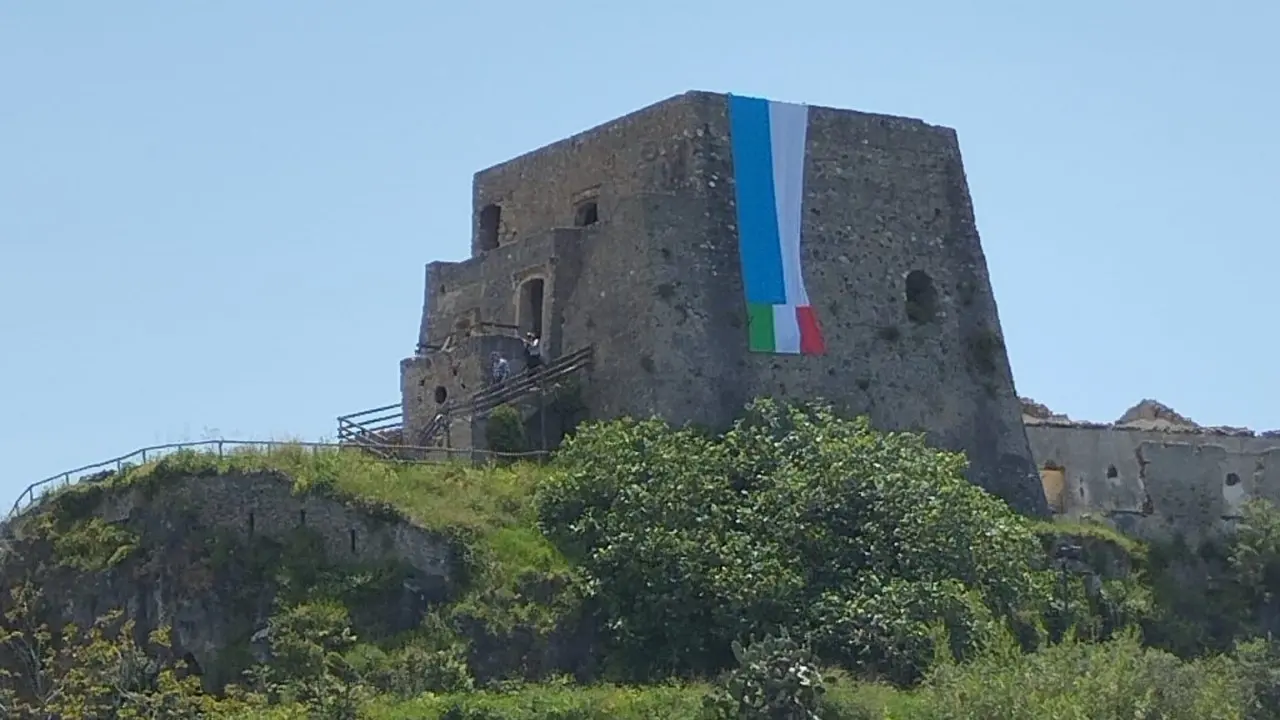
767	140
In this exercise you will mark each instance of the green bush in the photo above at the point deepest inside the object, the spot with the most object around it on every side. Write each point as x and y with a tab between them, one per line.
775	679
553	701
1115	680
307	664
1259	664
1207	597
411	670
505	431
794	519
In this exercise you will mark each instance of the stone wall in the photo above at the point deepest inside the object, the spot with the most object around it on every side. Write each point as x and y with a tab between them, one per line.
885	199
453	373
655	283
1153	473
264	505
651	150
461	297
177	581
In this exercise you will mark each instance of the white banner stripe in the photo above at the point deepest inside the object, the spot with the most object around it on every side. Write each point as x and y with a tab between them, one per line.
788	130
786	329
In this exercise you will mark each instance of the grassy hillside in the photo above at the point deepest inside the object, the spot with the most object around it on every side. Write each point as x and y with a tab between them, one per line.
800	563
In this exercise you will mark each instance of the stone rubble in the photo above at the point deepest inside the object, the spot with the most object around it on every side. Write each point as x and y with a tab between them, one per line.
1148	415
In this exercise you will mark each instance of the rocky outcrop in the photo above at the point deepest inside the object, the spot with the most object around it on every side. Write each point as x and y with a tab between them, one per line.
207	555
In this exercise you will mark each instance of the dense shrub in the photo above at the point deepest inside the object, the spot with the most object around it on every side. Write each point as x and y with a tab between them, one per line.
505	431
797	519
775	679
1259	666
1089	681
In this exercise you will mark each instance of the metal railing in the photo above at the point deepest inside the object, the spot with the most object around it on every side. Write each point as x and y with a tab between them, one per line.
527	384
377	430
380	430
510	391
37	491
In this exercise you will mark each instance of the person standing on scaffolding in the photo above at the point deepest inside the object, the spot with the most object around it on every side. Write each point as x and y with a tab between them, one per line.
532	353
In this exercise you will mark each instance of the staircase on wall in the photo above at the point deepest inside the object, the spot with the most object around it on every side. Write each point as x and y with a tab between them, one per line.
381	430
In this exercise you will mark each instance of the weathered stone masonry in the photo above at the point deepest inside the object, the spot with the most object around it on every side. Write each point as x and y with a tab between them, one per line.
173	582
1153	473
623	238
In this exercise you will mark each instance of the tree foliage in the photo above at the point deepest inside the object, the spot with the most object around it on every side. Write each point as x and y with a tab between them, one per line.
795	518
505	430
98	672
1115	679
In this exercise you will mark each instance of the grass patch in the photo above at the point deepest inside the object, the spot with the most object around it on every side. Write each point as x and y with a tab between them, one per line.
846	699
670	702
491	507
1087	530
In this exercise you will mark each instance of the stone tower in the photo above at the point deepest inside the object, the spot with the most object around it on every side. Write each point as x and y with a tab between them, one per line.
713	248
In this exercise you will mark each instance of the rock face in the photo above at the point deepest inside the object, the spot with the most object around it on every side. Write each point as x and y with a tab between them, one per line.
205	555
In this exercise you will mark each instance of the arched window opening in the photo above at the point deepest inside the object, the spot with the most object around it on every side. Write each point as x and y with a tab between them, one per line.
490	219
922	297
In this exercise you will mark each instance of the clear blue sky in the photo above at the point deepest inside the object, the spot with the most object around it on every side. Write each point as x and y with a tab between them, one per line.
214	215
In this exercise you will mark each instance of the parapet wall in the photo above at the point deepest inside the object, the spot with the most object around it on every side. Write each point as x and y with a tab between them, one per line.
1153	473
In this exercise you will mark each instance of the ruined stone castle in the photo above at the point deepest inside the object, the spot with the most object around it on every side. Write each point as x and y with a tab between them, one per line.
709	249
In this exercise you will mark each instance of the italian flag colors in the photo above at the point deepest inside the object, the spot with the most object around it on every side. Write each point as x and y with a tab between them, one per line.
768	144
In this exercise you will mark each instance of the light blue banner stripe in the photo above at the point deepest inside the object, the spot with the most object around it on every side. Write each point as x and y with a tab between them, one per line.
761	251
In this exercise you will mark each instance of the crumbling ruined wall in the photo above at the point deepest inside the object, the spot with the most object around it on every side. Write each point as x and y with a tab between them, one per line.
178	580
451	374
460	297
1153	473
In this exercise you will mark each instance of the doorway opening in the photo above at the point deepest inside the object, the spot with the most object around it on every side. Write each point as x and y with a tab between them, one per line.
531	303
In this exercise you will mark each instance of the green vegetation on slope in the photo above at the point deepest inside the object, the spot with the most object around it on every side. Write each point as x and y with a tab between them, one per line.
801	563
490	505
